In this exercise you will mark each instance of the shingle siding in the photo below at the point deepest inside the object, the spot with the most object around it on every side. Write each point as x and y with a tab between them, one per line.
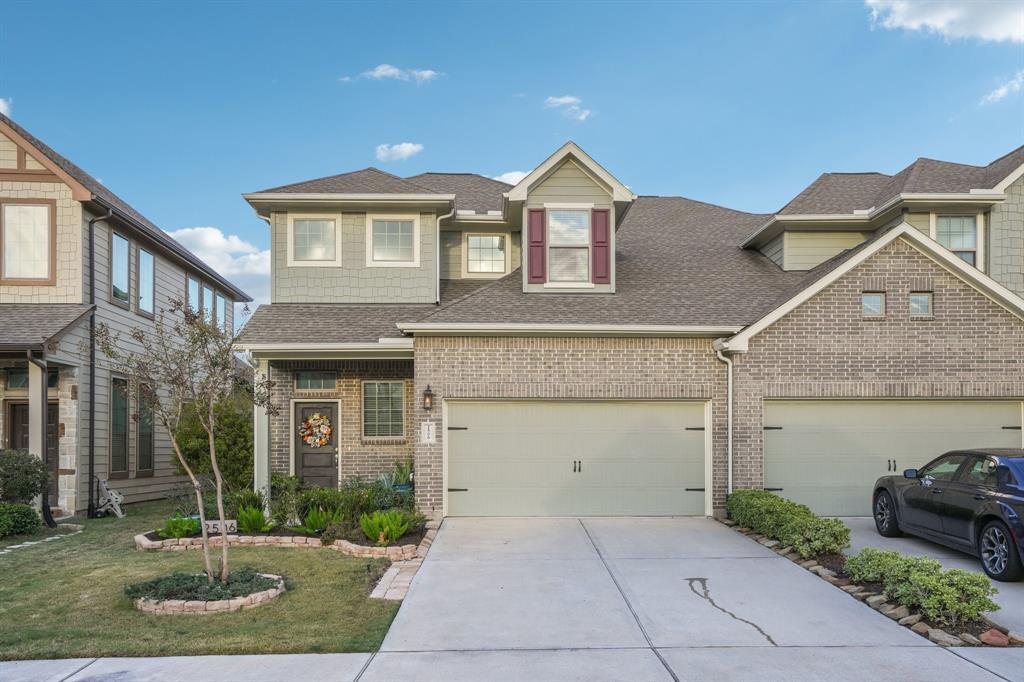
1006	239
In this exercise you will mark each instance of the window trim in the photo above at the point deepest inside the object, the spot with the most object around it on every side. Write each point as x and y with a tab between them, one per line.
138	283
466	274
931	304
295	379
570	284
872	316
290	237
415	262
212	317
35	281
979	234
198	308
362	411
52	372
217	298
139	471
111	474
127	305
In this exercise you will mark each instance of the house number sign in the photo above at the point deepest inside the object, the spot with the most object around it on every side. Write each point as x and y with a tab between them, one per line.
213	527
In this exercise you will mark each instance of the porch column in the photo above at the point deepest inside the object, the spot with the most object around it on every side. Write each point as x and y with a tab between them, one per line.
261	438
37	412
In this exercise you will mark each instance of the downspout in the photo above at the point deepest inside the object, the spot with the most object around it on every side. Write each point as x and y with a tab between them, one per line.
728	412
92	361
437	254
41	364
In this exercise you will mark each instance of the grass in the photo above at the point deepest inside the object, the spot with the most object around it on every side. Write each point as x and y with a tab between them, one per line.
65	599
41	534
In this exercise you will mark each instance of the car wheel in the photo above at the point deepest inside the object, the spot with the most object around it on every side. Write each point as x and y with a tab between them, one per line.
998	552
885	516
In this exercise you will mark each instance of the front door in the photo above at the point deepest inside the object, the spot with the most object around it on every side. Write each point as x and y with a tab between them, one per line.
17	437
316	444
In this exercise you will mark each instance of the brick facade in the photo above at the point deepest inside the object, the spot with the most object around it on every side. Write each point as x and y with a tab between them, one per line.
361	457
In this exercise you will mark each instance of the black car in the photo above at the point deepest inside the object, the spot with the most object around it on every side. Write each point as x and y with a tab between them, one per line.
971	500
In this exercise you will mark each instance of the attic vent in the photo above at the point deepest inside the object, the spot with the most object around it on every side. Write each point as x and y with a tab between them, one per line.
921	284
873	284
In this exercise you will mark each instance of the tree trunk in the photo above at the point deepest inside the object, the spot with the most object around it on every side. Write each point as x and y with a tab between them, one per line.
211	425
202	511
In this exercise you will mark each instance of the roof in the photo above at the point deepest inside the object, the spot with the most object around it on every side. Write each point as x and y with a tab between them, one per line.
472	192
33	325
123	210
366	181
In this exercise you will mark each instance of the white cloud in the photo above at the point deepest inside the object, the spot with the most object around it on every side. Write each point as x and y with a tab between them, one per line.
423	75
512	177
1015	84
398	152
237	260
388	72
570	105
987	20
6	105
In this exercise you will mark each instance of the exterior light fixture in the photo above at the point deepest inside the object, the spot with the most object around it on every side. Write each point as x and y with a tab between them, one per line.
428	399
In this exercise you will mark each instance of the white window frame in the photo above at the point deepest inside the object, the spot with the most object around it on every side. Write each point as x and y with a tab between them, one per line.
466	274
873	316
548	283
362	410
292	263
415	262
931	303
979	225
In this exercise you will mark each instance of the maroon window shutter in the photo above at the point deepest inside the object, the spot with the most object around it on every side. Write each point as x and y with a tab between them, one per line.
600	234
536	239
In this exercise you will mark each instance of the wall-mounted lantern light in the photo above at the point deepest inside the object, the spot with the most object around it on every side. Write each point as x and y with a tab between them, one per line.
428	399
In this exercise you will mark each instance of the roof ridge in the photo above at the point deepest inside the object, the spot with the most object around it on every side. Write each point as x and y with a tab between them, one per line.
352	172
995	161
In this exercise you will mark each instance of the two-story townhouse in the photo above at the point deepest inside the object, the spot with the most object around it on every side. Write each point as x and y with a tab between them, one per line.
74	255
565	347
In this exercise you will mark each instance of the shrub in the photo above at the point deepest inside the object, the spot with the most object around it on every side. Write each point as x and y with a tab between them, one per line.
196	587
23	476
949	598
763	511
18	519
238	500
813	536
179	527
251	520
329	500
317	520
888	567
384	527
285	496
403	473
233	440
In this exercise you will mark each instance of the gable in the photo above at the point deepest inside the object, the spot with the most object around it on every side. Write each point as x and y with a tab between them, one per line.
569	183
20	159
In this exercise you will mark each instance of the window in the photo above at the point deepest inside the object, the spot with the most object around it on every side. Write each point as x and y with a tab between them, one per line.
29	242
313	240
146	440
392	241
193	295
119	269
943	469
981	472
222	312
118	427
568	245
315	381
485	254
383	409
207	305
959	234
872	304
921	304
17	379
147	274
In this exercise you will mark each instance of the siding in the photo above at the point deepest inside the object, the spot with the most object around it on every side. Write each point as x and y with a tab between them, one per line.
921	221
1006	239
353	282
805	250
451	249
774	250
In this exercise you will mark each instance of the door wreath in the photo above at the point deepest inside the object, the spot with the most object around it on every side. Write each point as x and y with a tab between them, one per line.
316	430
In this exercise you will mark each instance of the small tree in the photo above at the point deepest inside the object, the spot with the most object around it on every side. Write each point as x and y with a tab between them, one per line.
187	363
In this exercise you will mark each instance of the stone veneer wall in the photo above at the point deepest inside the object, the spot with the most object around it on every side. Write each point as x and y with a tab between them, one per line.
971	348
364	457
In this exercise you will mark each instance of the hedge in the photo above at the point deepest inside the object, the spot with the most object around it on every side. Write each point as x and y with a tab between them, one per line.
18	519
792	524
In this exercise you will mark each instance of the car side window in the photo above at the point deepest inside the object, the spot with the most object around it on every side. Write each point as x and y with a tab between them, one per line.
943	469
982	471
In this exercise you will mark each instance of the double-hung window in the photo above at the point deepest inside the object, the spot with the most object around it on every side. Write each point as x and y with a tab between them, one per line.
568	245
192	292
146	440
119	269
392	241
383	409
118	427
147	276
959	234
29	233
486	254
314	240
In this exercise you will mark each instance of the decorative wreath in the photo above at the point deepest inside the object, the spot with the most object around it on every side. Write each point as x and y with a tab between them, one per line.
316	430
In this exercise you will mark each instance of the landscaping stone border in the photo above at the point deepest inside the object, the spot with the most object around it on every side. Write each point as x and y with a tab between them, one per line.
997	636
251	601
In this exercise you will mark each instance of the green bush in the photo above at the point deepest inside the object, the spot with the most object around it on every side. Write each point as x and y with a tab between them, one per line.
18	519
233	439
196	587
888	567
762	511
330	500
317	520
285	496
403	473
251	520
384	528
814	536
235	501
179	527
23	476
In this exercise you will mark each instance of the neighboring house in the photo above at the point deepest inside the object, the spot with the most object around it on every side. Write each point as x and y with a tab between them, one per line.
566	347
73	254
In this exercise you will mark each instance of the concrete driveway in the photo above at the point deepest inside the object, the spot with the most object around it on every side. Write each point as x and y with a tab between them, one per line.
1010	597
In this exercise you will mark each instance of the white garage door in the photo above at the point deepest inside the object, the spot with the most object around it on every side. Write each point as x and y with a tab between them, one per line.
828	454
575	458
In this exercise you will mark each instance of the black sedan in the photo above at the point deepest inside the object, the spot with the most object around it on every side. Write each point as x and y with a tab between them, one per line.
971	500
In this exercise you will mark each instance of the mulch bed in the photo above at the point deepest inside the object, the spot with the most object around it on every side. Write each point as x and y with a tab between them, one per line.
286	532
357	537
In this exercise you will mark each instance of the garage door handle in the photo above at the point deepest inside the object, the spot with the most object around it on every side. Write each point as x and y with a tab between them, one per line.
772	428
1011	428
694	428
458	490
695	490
774	490
458	428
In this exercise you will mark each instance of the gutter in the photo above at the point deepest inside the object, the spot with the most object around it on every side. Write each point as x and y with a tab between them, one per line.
728	412
91	513
489	329
41	364
437	253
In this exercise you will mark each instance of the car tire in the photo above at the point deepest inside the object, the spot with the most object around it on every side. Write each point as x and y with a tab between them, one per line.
998	552
884	510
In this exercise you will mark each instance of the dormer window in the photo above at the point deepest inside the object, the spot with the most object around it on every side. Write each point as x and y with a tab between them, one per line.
392	241
568	245
959	234
314	240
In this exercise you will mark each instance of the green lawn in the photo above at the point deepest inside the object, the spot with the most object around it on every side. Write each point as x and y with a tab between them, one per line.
65	598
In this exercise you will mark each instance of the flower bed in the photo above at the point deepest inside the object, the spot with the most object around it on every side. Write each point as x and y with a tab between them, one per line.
184	593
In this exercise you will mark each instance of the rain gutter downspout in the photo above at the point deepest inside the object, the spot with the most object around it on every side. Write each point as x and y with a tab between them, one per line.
92	361
728	412
41	364
437	254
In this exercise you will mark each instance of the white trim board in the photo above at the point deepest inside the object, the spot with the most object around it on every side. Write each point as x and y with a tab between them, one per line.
290	239
412	217
570	149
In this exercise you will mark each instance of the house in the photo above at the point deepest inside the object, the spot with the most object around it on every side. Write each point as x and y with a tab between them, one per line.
566	347
74	255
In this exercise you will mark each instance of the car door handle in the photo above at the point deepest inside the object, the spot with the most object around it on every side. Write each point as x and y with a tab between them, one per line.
936	491
981	497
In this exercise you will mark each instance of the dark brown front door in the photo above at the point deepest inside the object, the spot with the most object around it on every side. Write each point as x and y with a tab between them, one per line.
17	437
316	455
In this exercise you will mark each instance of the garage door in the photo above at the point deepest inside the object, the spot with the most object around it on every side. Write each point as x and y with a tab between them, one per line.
827	454
575	458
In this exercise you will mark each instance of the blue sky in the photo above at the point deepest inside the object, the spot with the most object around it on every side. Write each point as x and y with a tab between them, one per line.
180	108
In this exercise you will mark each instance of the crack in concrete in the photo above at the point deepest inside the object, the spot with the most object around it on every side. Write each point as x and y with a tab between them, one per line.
705	594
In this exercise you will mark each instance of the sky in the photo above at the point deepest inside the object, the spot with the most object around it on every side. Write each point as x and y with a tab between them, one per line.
179	108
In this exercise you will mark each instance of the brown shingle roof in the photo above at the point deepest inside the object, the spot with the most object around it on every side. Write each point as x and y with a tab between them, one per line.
25	325
366	181
472	192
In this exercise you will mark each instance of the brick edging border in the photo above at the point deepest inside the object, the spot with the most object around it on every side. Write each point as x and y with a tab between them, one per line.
165	606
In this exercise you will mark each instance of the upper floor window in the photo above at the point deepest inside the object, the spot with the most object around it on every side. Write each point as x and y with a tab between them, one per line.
208	305
194	299
486	254
959	234
29	242
147	276
222	312
921	303
119	275
314	240
392	241
872	304
568	245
